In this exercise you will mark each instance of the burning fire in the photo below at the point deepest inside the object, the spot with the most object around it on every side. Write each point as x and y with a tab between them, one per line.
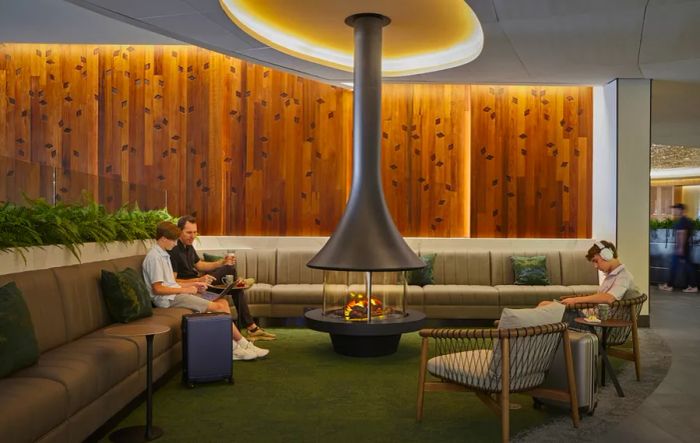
356	308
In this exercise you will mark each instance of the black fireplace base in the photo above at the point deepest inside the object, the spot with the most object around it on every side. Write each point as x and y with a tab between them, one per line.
357	339
365	346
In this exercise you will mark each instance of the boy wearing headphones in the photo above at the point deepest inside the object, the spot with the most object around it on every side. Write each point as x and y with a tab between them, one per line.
603	256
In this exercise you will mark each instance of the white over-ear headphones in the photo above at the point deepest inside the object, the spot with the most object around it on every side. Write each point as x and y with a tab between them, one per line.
605	253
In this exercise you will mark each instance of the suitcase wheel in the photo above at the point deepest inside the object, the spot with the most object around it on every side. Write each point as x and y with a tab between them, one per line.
190	385
230	380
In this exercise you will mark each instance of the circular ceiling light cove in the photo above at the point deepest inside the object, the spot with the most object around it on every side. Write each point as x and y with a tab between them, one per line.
420	37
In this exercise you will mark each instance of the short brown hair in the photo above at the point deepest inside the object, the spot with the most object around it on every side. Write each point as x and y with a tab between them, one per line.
168	230
184	220
595	249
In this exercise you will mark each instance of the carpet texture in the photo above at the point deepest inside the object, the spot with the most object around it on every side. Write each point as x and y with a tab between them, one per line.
305	392
656	361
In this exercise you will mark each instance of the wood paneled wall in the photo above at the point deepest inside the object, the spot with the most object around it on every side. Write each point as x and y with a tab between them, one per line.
531	161
254	151
425	146
250	150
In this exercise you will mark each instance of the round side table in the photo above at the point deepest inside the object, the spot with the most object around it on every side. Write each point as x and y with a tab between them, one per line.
148	432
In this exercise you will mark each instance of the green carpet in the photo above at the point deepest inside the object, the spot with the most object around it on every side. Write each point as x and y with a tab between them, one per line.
305	392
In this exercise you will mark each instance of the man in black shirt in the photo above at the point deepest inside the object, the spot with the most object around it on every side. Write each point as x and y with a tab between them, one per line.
683	229
188	267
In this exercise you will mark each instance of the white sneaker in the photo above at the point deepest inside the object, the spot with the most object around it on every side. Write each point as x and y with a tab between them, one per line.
242	353
691	289
250	347
665	287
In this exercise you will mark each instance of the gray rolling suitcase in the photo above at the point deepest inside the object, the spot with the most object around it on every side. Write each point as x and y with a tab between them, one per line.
584	352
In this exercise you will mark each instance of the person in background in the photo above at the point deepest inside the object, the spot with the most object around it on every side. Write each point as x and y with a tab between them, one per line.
682	259
189	268
167	293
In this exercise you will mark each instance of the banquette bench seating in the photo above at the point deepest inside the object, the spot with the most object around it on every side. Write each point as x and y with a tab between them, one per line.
83	377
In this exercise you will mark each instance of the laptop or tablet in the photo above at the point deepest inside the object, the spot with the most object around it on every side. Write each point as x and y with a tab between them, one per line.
211	296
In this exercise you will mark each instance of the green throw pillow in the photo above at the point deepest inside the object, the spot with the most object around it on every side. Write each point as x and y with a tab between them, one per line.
423	276
18	346
212	257
530	270
126	295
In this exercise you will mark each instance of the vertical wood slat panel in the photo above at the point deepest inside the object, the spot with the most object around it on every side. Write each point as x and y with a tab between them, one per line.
253	151
531	161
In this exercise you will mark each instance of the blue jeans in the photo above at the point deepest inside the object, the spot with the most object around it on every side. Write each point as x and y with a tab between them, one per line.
686	266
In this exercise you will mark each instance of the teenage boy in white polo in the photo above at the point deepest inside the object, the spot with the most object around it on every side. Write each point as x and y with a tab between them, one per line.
167	293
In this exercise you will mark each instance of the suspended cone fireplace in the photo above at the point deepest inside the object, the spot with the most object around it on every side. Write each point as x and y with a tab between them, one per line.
364	305
366	241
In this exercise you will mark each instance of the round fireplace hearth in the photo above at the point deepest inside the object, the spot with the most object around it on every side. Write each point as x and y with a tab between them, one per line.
365	339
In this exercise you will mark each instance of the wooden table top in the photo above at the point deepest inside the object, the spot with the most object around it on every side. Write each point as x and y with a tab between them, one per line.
136	330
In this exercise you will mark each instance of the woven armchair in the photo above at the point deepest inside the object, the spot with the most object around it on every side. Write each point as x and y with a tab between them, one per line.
626	309
495	361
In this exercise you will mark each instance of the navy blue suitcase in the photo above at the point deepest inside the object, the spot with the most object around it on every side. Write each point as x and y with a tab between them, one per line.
206	348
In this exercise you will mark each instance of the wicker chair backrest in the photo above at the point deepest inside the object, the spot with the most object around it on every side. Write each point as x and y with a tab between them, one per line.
474	358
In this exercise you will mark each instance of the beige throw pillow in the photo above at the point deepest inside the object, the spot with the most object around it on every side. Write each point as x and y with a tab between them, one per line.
523	318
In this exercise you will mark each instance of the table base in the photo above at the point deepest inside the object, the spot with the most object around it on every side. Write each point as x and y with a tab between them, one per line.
135	434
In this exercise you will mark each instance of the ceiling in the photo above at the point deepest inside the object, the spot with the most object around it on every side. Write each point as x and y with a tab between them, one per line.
526	41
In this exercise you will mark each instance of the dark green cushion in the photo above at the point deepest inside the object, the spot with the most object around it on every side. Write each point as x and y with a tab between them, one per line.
212	257
423	276
126	295
18	346
530	270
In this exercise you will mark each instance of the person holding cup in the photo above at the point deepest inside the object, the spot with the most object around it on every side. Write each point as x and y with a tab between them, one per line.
189	267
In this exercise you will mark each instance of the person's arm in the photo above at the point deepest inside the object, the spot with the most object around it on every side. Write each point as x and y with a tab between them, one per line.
681	239
598	297
206	279
160	289
198	285
207	266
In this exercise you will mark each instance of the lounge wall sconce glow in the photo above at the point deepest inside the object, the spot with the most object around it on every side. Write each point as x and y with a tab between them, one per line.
422	36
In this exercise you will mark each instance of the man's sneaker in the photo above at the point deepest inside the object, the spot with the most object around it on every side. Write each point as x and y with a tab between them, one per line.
260	334
691	289
243	353
665	287
250	347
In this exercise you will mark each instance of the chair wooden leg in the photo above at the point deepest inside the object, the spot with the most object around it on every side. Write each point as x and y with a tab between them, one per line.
635	348
570	376
421	378
505	390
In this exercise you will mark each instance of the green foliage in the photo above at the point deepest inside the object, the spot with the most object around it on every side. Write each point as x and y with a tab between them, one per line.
667	223
71	224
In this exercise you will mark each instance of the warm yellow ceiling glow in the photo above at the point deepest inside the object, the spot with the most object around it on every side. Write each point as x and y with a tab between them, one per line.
423	36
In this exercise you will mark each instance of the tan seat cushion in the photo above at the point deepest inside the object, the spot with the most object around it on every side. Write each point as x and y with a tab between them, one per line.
520	296
461	267
306	294
576	269
40	292
30	407
460	295
81	292
87	368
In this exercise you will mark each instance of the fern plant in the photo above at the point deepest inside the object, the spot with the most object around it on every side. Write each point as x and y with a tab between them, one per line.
69	225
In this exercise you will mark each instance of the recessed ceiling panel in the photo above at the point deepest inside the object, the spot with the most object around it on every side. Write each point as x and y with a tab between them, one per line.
421	36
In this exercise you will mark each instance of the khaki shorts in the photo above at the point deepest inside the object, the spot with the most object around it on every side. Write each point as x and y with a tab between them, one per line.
189	301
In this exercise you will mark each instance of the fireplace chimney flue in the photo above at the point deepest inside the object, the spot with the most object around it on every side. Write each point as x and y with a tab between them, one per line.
366	238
